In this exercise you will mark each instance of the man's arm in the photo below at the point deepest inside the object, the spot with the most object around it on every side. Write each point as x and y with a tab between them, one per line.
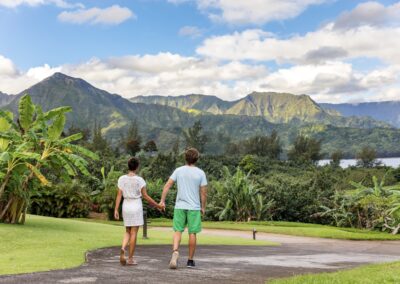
167	187
203	197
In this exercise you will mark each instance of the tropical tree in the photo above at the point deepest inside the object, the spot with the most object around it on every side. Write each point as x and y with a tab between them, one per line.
376	207
336	157
195	138
150	146
367	157
29	148
133	139
236	197
305	150
268	146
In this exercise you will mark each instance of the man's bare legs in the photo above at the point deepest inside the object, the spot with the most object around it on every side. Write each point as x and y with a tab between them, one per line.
173	264
177	241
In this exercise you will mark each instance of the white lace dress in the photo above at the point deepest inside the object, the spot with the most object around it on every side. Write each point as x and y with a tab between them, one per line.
132	207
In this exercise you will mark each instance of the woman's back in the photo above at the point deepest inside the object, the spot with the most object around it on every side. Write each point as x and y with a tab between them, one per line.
131	186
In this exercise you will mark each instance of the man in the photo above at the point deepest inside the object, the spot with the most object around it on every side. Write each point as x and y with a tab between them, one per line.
189	206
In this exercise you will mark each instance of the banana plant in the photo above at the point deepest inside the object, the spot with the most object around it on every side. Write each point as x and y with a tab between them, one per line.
237	198
34	144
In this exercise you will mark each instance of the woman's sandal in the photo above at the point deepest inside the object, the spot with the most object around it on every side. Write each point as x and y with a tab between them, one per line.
122	259
131	261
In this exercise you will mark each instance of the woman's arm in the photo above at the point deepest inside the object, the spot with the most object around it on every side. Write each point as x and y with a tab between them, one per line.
117	203
149	199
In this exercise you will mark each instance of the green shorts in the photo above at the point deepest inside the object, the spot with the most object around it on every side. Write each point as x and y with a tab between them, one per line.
189	218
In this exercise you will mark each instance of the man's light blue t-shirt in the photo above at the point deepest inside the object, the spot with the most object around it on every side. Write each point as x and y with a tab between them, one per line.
189	180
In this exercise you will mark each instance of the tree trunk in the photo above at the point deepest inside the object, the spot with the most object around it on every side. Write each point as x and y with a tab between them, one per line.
4	184
13	211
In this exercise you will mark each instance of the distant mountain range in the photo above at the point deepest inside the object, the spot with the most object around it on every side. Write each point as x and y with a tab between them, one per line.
5	99
388	111
274	107
163	118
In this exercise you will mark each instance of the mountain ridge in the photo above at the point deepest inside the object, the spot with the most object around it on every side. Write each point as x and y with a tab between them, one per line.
275	107
165	124
5	99
388	111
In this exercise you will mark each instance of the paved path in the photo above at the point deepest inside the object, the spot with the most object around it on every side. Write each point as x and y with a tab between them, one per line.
223	264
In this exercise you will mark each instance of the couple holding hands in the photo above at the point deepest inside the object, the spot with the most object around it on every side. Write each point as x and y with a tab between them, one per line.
190	205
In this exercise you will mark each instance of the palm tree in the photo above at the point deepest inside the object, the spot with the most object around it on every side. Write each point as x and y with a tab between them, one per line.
28	147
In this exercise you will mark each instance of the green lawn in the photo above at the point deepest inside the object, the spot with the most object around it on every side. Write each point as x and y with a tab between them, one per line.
371	274
292	228
45	243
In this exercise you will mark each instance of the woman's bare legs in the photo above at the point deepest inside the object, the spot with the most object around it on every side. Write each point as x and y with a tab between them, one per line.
132	242
126	238
125	241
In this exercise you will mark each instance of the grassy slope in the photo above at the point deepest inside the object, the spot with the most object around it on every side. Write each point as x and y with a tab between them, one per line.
371	274
292	228
48	243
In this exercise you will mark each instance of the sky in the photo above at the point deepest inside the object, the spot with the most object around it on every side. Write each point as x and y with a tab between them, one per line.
333	50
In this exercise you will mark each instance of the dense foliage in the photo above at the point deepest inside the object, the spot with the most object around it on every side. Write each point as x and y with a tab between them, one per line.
42	171
30	149
63	200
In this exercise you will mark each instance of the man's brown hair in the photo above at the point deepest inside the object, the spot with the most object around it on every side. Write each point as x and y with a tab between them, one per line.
191	155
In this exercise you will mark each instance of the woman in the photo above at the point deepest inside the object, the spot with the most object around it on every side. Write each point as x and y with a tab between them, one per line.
132	187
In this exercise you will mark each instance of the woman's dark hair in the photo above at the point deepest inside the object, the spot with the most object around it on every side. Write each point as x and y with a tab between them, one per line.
133	164
191	156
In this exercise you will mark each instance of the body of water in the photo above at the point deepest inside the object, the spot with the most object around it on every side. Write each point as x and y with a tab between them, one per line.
345	163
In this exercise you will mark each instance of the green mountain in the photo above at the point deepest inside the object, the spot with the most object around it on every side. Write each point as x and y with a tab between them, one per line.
274	107
164	123
5	99
388	111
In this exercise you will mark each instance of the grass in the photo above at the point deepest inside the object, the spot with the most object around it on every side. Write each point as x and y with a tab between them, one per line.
292	228
370	274
45	243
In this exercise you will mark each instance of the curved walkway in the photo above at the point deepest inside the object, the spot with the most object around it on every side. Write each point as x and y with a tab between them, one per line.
223	264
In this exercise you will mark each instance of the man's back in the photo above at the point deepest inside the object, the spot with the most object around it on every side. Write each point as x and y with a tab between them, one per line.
189	180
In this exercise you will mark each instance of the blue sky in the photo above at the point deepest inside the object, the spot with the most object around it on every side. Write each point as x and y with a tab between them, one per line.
189	39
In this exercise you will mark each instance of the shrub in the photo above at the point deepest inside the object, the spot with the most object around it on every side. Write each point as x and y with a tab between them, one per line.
154	189
106	199
64	200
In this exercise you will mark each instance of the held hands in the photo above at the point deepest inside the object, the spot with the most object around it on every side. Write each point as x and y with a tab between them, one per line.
161	206
116	215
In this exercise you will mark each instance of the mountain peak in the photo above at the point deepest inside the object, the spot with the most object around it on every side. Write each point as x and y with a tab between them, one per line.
58	76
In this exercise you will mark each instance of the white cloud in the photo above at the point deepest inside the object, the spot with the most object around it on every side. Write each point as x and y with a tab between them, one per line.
7	67
163	73
370	30
112	15
173	74
190	31
58	3
369	13
251	12
13	81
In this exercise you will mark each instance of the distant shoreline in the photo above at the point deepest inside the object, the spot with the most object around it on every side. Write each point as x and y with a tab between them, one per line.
393	162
